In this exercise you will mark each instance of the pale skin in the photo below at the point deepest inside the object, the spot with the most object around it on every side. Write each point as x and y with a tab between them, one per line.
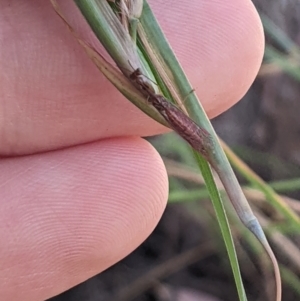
81	202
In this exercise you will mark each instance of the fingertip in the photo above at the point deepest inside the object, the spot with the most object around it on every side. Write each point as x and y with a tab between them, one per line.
220	45
76	212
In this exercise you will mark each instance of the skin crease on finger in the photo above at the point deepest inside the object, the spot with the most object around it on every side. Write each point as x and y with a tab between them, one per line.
74	213
53	97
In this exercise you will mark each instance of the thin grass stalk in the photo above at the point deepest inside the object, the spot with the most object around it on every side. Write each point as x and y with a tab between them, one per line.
178	84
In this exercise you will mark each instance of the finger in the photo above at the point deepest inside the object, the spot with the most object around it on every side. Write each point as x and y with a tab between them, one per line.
220	44
52	96
68	215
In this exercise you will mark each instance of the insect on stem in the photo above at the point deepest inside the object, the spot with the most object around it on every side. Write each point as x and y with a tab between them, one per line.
183	125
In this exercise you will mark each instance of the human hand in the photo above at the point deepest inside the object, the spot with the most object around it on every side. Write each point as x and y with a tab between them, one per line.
81	202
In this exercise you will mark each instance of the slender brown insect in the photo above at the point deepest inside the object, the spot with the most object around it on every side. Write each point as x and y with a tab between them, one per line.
183	125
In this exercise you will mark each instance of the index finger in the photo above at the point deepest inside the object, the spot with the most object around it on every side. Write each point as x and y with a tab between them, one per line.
52	96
